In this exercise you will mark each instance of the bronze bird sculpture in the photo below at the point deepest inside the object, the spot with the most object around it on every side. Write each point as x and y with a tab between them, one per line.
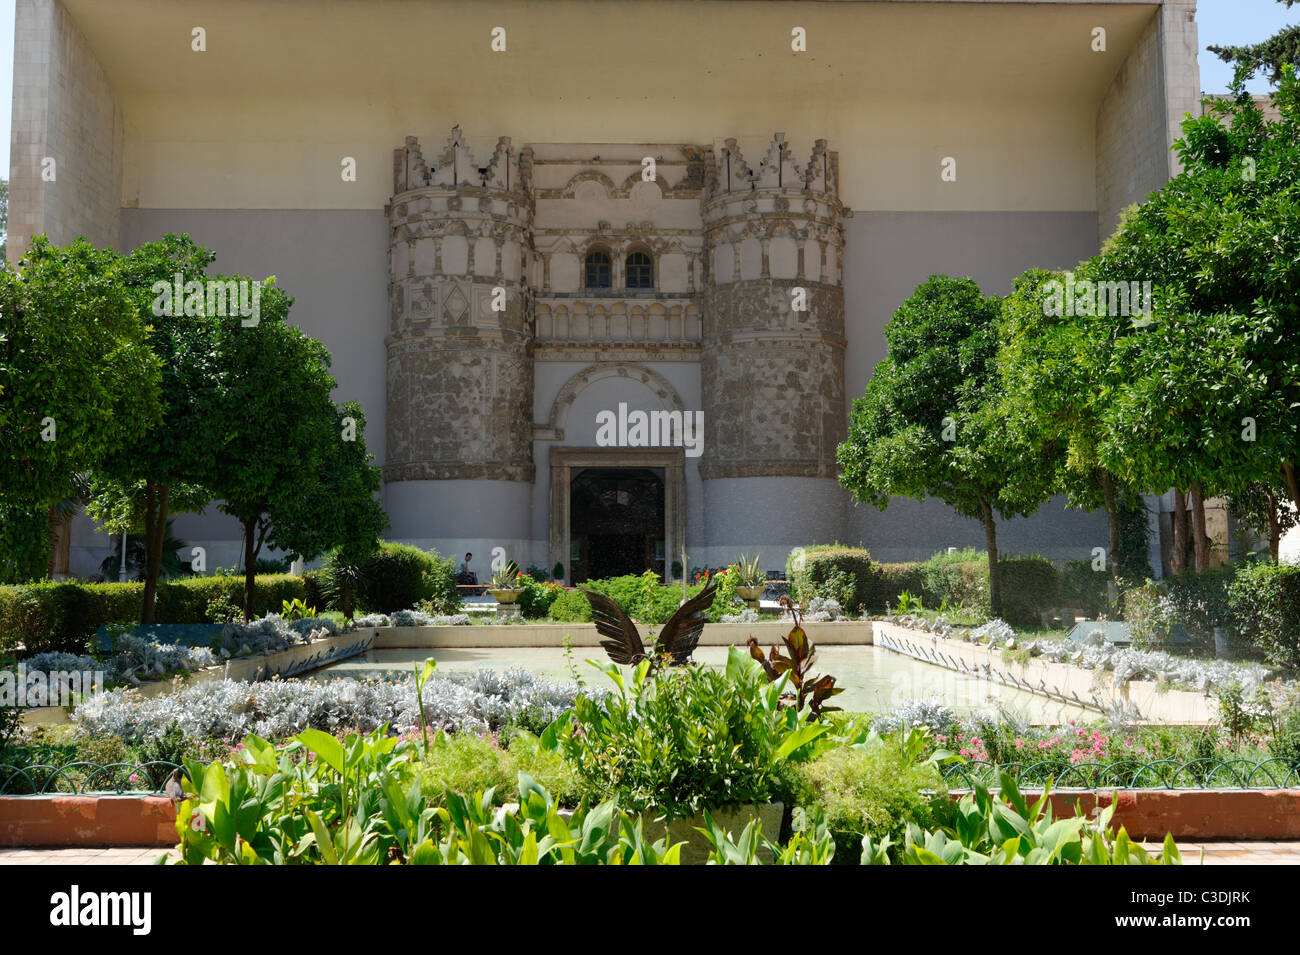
676	641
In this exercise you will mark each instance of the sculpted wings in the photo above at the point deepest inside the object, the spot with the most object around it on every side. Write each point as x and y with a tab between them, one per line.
622	641
682	631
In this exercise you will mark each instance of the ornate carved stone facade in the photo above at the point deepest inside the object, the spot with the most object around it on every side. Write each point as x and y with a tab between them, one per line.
625	258
460	368
773	346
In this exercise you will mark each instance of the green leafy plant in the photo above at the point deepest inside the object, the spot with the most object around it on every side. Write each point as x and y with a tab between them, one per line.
810	843
909	604
297	609
682	739
984	828
422	674
507	578
795	666
873	786
748	571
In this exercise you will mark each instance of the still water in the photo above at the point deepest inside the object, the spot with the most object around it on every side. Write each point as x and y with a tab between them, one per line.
875	679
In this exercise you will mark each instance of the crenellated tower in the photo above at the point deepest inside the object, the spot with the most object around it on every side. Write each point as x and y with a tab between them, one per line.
460	367
772	357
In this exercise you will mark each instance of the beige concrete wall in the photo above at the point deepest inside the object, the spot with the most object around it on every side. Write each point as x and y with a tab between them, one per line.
1141	115
262	119
64	109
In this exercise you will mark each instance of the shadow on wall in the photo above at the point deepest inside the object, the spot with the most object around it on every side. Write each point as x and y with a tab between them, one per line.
912	530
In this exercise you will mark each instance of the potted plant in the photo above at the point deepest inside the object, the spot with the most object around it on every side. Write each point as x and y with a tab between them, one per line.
505	586
750	580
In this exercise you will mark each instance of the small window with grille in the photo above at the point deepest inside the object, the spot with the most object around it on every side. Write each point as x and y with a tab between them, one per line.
640	271
598	271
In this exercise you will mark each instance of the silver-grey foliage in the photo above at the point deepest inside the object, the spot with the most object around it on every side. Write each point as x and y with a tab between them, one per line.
484	701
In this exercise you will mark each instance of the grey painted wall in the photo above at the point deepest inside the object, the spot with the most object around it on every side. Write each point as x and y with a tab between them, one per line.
334	263
888	254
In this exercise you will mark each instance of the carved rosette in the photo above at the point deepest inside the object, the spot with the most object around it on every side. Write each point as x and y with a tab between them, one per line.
773	340
460	366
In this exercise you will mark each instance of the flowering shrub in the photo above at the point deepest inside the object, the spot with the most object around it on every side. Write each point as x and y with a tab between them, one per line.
275	709
538	596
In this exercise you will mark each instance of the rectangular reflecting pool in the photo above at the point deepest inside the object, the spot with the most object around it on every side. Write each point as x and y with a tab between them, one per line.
875	679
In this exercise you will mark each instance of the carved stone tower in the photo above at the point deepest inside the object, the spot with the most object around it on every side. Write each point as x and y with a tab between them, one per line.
772	357
460	368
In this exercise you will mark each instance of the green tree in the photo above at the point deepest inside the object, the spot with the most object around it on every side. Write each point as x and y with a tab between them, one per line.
175	451
1212	388
1054	365
77	381
1263	507
934	422
287	463
1270	55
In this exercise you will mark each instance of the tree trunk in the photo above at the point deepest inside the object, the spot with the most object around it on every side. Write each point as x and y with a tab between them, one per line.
1112	518
1200	540
1274	529
250	567
60	532
1178	550
1291	477
155	525
991	538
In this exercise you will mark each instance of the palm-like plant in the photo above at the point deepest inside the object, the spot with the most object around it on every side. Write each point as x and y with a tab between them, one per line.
171	565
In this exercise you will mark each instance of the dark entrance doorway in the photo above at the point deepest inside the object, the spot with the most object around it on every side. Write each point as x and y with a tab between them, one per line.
616	522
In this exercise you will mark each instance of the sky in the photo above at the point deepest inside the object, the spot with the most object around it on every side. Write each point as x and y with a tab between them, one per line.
1222	22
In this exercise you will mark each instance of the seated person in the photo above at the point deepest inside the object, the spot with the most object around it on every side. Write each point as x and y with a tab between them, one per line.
466	576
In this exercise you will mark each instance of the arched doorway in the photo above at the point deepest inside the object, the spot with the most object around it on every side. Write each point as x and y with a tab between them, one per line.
616	510
616	521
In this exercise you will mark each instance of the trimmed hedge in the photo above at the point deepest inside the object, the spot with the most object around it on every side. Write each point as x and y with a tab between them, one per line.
887	581
1200	602
395	577
64	616
1265	603
1029	586
570	606
1083	588
961	577
829	570
313	588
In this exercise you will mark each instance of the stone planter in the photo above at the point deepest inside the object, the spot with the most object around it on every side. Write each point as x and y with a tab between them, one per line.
505	596
751	594
733	819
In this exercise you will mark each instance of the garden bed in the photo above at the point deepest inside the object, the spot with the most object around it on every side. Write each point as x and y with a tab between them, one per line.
1228	814
1151	700
300	658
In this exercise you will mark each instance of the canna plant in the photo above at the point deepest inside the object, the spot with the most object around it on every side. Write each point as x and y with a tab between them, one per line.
984	828
796	666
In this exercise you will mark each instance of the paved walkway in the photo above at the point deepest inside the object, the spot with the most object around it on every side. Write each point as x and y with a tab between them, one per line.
1215	853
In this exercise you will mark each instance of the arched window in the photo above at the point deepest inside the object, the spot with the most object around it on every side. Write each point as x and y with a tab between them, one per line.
598	271
640	270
